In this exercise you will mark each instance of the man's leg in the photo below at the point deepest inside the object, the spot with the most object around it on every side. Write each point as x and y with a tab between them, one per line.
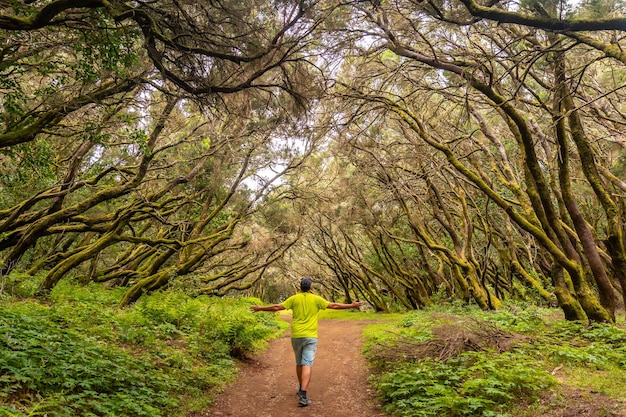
299	373
304	350
304	376
305	369
297	350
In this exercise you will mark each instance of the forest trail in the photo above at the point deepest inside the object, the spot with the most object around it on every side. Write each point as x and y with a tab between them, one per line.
267	386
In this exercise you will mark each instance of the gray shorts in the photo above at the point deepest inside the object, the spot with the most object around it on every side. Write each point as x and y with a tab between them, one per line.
305	349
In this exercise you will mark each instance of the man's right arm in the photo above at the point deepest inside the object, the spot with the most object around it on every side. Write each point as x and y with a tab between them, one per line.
273	307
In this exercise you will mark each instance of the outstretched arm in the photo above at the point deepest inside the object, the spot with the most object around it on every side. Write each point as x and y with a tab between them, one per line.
273	307
340	306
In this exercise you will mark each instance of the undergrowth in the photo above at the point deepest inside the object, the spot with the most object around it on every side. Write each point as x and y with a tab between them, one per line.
80	355
490	364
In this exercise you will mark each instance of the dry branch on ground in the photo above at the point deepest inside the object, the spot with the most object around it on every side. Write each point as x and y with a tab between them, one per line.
449	341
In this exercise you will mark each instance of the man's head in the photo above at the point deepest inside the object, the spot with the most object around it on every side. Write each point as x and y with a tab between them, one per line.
305	284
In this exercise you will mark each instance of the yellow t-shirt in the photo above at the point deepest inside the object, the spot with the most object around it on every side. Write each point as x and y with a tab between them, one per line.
306	308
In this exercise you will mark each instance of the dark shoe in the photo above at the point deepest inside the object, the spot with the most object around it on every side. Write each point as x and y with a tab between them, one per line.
299	392
304	402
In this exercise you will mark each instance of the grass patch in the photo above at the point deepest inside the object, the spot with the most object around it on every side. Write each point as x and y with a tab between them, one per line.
610	383
354	314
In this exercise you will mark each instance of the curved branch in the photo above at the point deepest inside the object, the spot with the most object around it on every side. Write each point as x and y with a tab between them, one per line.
54	116
546	23
46	15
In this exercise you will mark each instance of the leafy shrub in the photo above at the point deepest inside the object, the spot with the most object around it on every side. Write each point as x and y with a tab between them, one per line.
473	384
605	333
41	358
82	356
17	284
516	318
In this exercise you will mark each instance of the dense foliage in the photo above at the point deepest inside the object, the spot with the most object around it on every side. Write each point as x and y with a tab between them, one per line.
82	356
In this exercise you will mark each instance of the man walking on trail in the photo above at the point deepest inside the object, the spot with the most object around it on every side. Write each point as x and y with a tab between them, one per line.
306	307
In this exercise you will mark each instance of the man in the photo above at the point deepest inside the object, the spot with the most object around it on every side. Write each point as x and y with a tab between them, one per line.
306	307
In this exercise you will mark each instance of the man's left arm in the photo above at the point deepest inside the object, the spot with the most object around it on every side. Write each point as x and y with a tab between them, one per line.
341	306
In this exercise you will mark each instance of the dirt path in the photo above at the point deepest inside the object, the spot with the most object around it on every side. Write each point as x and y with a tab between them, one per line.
267	387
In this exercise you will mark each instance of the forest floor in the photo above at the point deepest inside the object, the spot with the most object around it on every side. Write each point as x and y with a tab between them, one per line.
574	402
267	385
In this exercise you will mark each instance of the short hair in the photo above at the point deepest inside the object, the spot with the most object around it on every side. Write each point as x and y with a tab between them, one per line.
305	284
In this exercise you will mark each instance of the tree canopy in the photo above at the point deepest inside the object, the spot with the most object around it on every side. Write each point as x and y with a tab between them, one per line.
397	151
